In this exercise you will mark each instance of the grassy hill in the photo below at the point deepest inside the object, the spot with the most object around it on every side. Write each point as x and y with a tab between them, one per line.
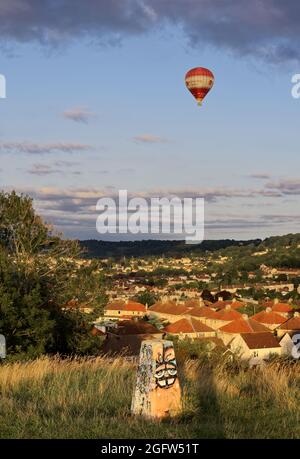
90	398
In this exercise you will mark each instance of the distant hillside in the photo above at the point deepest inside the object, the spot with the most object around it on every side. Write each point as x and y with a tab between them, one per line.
279	251
276	251
105	249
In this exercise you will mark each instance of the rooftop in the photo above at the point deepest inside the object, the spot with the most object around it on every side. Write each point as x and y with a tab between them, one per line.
277	306
135	327
170	307
292	324
268	317
260	340
243	325
120	305
187	325
204	311
227	314
234	304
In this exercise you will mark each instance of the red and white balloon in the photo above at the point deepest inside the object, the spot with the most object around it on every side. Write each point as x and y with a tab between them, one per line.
199	82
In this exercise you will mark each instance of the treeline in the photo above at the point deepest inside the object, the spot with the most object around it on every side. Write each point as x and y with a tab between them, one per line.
281	251
140	249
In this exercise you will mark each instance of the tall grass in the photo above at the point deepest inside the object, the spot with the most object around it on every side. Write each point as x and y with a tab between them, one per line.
90	398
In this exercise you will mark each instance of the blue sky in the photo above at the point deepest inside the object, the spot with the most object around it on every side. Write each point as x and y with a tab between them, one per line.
139	129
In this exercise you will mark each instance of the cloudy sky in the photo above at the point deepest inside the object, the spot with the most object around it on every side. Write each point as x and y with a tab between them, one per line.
96	102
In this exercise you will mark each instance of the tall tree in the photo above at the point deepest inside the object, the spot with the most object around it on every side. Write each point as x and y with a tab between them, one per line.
39	274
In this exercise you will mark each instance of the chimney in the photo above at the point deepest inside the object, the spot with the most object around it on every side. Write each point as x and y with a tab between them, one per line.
276	301
269	310
234	300
227	307
296	314
245	316
220	298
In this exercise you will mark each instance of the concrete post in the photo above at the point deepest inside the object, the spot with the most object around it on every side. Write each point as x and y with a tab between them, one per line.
157	392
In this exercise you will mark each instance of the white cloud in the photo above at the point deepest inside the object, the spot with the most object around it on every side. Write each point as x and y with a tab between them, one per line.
42	148
79	114
149	138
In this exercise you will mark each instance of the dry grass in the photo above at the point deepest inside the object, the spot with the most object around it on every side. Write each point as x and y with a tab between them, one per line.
90	398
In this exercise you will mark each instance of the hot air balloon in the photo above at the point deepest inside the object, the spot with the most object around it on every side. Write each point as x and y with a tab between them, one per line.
199	82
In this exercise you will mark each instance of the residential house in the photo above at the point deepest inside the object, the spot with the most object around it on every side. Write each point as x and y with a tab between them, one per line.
290	326
189	328
240	326
234	304
169	310
204	314
120	310
255	347
223	317
126	339
270	319
289	342
284	309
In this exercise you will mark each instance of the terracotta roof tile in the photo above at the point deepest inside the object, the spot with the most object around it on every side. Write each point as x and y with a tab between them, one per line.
292	324
244	326
120	305
260	340
282	307
115	305
220	304
233	304
133	306
227	314
204	311
187	325
268	317
162	307
169	307
278	306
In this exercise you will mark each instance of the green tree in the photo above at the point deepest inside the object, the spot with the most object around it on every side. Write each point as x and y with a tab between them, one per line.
39	274
146	297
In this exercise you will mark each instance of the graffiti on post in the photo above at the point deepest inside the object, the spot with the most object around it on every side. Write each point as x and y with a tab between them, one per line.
157	371
166	368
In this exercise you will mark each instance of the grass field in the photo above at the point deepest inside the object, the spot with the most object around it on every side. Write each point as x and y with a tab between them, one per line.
90	398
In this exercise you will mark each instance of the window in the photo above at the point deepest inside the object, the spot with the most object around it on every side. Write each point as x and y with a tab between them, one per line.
255	354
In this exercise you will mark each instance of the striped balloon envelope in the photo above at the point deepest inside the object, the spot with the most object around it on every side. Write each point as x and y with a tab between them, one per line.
199	82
